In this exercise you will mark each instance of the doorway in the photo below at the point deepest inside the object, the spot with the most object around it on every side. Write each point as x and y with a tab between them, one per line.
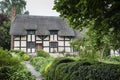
39	46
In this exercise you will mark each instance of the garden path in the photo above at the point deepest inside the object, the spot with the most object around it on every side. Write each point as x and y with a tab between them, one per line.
33	71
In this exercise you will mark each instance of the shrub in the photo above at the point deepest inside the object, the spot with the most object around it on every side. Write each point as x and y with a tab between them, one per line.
83	70
26	57
115	58
59	73
6	59
42	53
18	72
51	70
40	63
18	52
5	72
11	67
21	73
34	60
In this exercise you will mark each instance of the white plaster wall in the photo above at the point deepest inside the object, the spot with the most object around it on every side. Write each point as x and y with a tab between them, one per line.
67	43
60	49
23	43
23	37
33	50
60	43
67	49
66	38
29	37
38	41
16	38
55	49
51	49
37	38
55	37
46	49
33	37
28	50
46	43
16	43
47	38
51	37
16	49
23	49
60	38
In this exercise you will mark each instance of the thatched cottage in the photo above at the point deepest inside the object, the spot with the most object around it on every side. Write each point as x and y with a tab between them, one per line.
33	33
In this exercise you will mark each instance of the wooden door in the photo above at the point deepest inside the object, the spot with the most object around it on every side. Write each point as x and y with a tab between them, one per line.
39	46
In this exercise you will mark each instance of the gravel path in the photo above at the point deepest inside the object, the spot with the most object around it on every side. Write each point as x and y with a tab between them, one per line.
33	71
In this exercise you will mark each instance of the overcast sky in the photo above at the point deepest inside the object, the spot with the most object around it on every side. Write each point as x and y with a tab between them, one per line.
41	7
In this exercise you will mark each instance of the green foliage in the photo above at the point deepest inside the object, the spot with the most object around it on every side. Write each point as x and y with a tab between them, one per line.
42	53
15	73
4	31
6	7
7	59
83	70
26	57
11	67
34	60
51	70
115	58
99	17
40	63
20	54
21	73
5	72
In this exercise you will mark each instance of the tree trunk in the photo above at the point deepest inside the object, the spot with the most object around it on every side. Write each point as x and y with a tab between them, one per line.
102	52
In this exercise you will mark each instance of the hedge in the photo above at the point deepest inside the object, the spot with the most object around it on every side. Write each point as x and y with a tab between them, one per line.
66	69
50	74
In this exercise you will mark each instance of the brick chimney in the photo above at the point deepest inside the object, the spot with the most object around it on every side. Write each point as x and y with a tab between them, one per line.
13	15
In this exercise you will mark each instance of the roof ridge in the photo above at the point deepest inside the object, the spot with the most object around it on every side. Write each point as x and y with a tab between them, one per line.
36	16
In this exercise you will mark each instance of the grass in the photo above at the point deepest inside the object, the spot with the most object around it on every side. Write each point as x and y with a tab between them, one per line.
110	62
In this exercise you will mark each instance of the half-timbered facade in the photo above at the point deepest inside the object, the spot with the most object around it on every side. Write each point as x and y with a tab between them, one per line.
33	33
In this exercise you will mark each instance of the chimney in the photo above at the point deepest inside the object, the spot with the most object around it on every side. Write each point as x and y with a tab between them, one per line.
13	13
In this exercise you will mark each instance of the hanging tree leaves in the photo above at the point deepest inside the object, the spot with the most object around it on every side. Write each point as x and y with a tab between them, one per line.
6	8
7	5
105	15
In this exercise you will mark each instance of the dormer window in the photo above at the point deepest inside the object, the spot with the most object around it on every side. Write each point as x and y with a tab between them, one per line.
53	32
30	32
53	35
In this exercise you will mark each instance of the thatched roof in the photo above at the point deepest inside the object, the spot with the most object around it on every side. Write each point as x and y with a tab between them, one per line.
42	25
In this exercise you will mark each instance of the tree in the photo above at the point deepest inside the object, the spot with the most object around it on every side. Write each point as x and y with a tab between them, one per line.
4	31
9	8
100	17
8	5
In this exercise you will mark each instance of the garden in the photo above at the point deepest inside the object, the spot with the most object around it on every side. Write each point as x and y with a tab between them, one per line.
79	67
12	65
76	67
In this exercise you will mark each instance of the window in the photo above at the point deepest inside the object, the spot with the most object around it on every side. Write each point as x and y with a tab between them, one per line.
53	44
53	32
31	44
31	32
